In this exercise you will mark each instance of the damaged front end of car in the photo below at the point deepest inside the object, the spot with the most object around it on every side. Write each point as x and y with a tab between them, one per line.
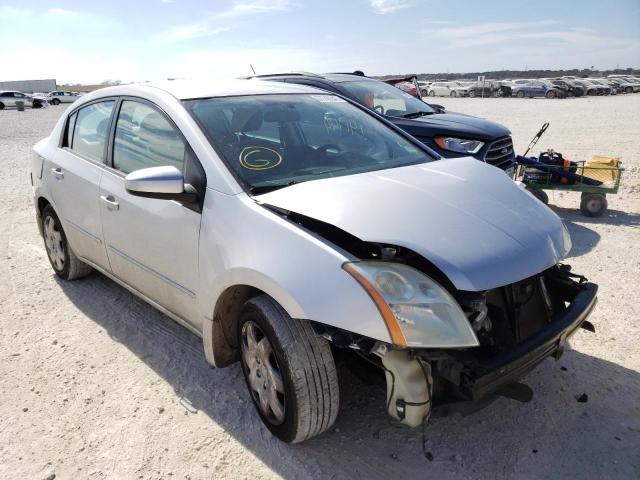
451	350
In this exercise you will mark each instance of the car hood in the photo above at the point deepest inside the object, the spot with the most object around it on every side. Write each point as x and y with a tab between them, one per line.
466	217
459	124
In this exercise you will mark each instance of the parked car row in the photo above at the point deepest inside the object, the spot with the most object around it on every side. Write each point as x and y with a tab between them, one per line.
558	87
10	98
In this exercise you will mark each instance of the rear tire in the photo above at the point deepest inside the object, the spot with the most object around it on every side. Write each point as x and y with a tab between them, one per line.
593	204
453	94
297	376
61	257
551	94
472	93
424	93
432	93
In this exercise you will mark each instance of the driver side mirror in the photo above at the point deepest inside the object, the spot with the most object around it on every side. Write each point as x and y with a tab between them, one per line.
165	182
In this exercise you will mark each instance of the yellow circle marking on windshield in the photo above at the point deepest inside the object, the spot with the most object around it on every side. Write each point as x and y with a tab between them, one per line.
259	163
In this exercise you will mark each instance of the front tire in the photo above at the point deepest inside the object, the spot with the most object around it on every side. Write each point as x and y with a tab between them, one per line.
539	194
55	101
593	204
61	257
520	94
454	94
551	94
289	370
432	93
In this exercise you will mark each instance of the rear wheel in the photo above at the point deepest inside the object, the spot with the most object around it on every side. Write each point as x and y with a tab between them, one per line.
472	93
432	93
424	93
540	195
289	370
593	204
61	257
551	94
453	94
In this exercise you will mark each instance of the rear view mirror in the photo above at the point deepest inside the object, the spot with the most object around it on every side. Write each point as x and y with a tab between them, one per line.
164	182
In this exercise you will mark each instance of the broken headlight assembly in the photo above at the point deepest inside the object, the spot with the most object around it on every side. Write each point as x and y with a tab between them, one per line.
417	310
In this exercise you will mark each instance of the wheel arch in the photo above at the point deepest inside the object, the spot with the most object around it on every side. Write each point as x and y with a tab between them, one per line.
219	333
41	203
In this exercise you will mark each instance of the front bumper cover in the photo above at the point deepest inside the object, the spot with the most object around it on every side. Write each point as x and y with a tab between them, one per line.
488	377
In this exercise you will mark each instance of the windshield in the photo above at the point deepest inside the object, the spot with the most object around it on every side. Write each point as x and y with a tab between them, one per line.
386	99
272	141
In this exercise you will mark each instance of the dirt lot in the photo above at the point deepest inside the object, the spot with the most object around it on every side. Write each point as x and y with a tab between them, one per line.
96	384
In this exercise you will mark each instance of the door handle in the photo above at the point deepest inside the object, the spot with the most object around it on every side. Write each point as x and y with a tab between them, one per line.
57	172
110	201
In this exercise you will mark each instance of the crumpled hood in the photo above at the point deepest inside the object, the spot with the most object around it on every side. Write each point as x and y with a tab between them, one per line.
468	218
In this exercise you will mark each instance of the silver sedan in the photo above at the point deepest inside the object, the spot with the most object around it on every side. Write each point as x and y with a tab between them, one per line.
290	228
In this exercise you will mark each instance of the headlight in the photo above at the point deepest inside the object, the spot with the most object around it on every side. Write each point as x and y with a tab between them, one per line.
418	311
460	145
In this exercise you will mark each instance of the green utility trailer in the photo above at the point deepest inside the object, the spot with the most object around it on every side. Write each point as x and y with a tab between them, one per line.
593	201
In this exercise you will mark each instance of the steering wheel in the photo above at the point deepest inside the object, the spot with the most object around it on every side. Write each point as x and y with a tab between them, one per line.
379	109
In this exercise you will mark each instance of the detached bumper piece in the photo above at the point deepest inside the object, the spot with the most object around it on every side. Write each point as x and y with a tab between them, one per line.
489	376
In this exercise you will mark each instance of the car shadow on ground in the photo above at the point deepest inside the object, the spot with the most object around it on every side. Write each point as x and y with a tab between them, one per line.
505	440
610	217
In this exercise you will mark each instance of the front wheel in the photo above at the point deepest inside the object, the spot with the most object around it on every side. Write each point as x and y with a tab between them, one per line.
551	94
472	93
454	94
289	370
55	101
424	93
61	257
593	204
432	93
520	94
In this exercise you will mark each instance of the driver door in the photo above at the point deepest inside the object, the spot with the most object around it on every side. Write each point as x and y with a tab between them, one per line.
152	244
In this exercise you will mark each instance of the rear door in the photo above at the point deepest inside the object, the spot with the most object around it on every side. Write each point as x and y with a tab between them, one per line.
152	244
75	173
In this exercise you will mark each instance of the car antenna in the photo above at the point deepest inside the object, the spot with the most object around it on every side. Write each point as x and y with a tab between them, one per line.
252	69
536	138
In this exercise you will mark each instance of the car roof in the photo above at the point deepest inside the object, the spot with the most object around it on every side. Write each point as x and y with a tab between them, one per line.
332	77
187	89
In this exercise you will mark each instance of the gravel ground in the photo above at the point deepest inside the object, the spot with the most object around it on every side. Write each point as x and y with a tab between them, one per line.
96	384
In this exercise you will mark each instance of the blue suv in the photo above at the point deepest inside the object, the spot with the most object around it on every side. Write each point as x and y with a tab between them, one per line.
450	134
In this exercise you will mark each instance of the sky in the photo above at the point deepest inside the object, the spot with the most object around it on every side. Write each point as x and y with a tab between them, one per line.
139	40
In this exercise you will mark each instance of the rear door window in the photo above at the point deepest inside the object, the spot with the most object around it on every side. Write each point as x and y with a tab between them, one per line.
91	129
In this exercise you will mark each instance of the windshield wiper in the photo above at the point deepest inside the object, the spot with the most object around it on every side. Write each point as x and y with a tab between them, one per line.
260	189
417	114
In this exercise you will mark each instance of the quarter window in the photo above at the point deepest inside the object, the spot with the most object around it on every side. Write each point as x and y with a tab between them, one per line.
91	129
145	138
